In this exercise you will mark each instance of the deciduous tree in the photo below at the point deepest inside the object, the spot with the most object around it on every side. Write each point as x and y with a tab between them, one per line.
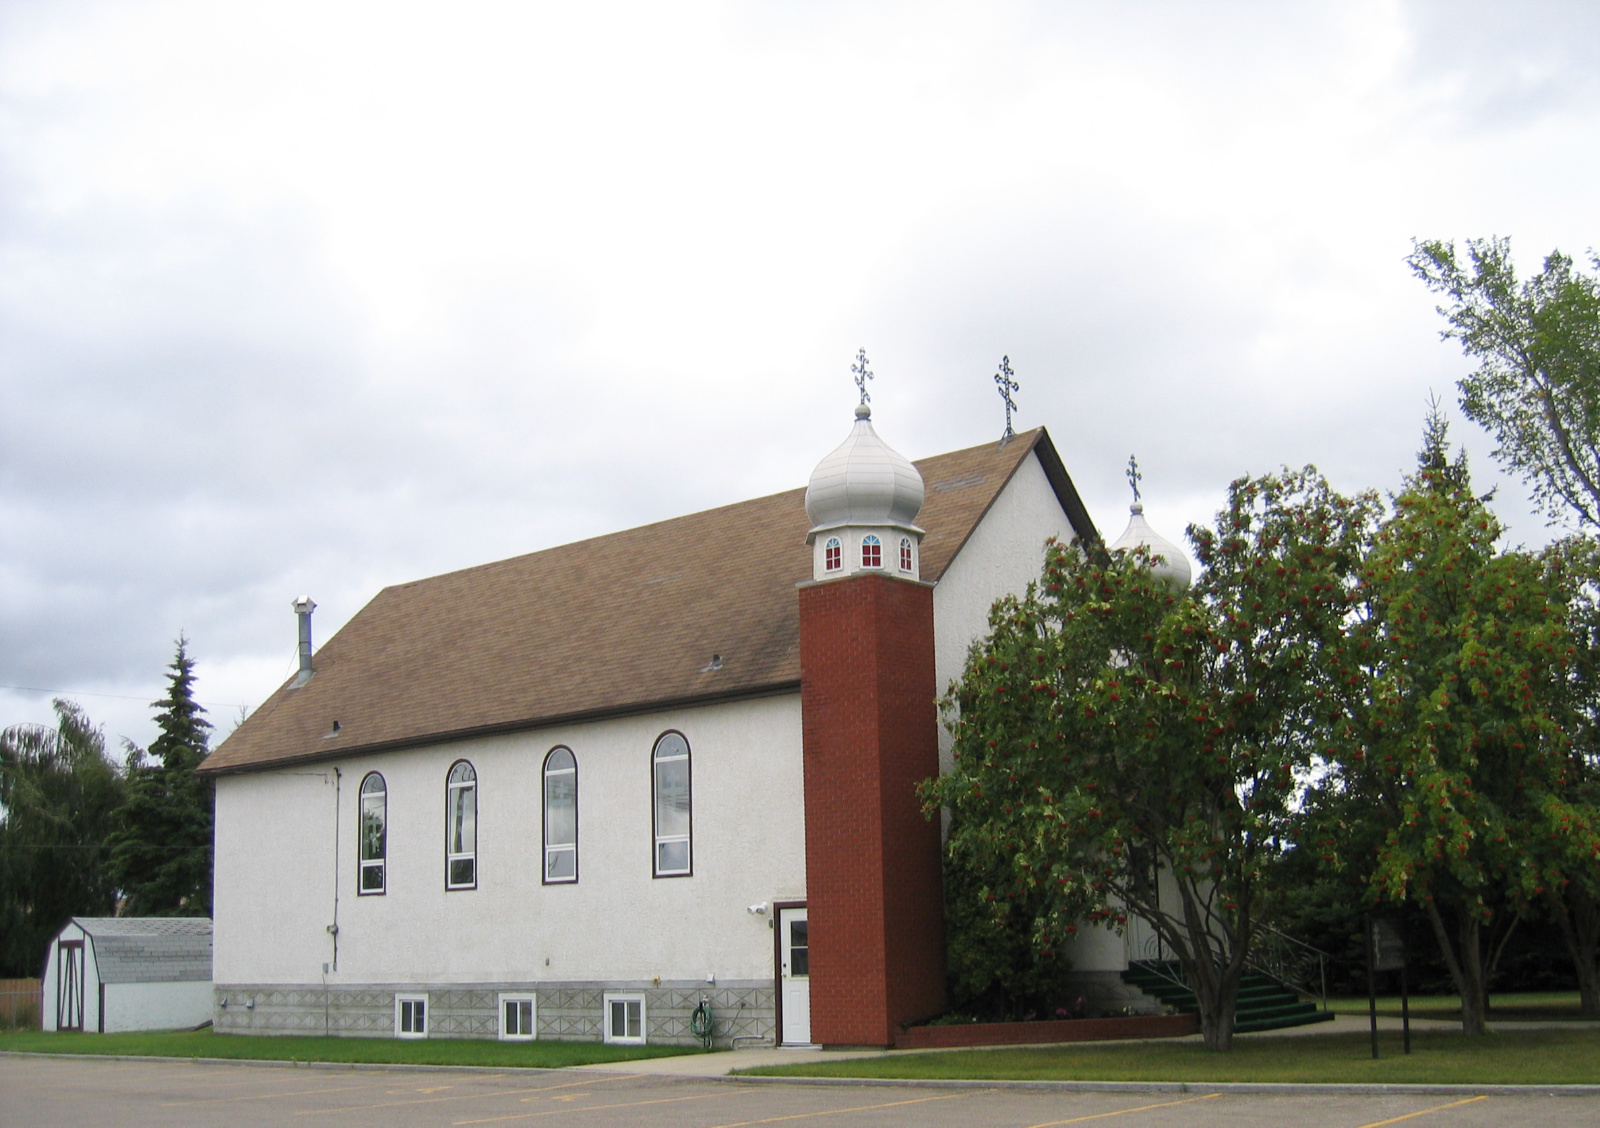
1537	390
1115	738
1453	769
1574	902
58	792
1537	345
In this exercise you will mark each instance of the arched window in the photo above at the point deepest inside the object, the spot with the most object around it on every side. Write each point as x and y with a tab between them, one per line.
905	554
560	817
374	833
461	827
670	768
871	552
831	555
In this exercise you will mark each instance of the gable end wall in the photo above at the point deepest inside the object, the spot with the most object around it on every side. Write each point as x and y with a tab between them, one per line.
1004	554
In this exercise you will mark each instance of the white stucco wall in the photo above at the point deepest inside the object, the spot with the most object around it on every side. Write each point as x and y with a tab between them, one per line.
276	861
157	1006
1002	556
1102	947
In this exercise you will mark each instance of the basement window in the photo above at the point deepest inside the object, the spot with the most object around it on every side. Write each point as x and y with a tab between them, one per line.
461	827
519	1016
411	1016
624	1019
871	552
374	828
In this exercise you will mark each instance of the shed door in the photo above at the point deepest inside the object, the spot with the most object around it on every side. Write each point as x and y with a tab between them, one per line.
69	985
794	976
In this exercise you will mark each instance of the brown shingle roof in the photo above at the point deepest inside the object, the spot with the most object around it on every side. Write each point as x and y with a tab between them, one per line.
622	623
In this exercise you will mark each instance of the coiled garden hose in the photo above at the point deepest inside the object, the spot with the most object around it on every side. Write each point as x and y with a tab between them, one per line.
701	1023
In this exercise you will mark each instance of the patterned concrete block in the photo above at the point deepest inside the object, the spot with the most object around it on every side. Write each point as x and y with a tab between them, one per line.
566	1011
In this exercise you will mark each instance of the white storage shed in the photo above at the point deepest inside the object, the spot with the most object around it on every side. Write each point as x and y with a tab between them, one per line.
111	974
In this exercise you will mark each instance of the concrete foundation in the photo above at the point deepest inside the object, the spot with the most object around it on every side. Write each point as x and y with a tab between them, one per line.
572	1012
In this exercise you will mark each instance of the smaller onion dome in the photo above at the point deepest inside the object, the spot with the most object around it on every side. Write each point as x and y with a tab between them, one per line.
1172	567
864	482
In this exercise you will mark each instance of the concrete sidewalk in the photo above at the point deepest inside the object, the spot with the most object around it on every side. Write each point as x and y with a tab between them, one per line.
723	1062
1347	1023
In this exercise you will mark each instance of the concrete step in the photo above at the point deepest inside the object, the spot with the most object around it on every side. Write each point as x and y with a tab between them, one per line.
1250	1027
1263	1003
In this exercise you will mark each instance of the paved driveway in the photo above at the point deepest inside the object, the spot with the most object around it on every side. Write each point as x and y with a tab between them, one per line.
42	1091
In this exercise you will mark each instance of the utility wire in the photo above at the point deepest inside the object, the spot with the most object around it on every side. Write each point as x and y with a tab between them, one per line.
149	849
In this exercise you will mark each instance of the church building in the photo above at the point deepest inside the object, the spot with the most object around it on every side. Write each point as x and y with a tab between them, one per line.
578	793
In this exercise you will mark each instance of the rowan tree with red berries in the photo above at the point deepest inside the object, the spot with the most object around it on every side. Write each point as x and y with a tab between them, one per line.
1124	749
1450	782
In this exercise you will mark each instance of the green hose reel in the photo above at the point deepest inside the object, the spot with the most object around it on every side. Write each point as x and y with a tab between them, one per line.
701	1022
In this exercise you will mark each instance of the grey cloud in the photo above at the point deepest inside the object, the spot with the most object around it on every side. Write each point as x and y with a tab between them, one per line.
1512	64
201	420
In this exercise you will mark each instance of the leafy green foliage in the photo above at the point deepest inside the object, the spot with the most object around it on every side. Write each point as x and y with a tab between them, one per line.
996	971
1449	781
161	853
1575	903
1537	344
1121	747
1537	390
58	792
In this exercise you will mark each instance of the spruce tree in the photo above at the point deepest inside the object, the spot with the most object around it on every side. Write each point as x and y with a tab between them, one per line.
161	851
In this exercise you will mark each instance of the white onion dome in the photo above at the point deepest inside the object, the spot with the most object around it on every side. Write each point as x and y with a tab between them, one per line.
864	482
1172	567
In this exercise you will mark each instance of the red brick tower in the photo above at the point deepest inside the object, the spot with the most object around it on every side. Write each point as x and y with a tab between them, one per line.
873	878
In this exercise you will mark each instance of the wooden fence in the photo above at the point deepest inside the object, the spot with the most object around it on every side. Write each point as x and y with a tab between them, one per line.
21	1003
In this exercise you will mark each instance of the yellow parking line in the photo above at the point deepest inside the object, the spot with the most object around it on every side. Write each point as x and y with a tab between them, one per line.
858	1108
195	1074
470	1096
1124	1111
1425	1111
265	1096
591	1108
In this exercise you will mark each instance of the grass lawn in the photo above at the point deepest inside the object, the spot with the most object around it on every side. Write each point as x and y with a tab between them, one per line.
1522	1057
425	1051
1533	1006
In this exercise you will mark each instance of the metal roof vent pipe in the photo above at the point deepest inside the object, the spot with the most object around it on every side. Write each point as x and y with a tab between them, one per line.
302	609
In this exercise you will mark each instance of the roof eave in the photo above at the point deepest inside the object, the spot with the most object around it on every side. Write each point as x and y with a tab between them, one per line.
1060	483
693	701
1066	493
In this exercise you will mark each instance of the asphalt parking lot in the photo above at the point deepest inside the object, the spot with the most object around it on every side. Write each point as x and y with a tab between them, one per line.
41	1091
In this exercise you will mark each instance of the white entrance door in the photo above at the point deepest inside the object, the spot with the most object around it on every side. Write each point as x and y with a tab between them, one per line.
794	974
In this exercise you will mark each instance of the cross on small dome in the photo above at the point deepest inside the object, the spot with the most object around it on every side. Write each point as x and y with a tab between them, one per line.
863	496
1172	567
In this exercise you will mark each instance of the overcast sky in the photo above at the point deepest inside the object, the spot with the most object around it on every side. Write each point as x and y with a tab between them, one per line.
314	298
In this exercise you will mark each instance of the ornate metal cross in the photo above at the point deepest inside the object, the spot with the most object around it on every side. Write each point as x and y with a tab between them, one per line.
1134	477
1005	379
862	374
